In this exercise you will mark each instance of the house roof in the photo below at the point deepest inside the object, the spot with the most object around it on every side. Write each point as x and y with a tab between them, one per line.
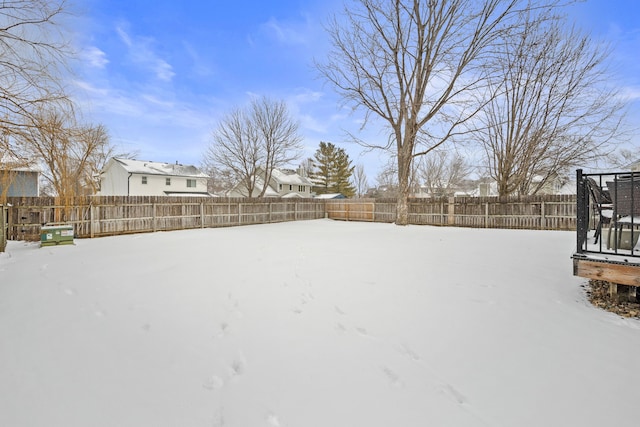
11	163
269	192
292	196
330	196
158	168
189	194
287	176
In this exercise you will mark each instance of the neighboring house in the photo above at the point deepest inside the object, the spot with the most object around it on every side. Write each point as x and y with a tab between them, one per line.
283	183
126	177
19	182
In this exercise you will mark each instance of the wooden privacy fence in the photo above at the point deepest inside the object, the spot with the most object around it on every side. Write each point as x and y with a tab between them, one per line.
95	216
553	212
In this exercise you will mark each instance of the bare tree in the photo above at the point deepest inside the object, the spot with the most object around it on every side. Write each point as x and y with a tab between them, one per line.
623	159
443	172
416	66
33	56
552	107
219	181
249	143
360	181
278	132
69	154
236	148
387	179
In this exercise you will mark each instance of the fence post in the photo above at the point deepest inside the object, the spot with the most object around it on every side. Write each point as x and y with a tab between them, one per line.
486	215
3	230
451	211
543	217
201	215
239	213
270	211
91	219
153	213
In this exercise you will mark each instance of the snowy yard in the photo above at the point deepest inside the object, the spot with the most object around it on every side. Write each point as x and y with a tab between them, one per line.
311	324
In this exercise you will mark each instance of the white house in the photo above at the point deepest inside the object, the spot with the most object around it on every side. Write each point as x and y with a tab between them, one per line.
126	177
283	183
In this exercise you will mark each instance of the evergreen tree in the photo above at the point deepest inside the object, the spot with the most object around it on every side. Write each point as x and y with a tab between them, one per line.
332	170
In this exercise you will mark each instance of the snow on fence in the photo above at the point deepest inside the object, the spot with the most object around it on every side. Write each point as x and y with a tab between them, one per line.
94	216
552	212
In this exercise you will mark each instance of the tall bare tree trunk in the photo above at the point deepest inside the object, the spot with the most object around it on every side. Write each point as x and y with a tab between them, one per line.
404	172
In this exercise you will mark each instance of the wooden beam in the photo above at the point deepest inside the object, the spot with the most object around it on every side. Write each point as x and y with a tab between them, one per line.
623	274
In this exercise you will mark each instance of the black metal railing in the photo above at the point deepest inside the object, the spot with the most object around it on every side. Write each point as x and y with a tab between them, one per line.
608	204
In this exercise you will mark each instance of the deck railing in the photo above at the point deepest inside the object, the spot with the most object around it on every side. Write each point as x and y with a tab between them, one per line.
608	214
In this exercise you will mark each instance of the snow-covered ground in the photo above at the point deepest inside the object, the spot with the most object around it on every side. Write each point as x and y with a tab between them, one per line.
311	324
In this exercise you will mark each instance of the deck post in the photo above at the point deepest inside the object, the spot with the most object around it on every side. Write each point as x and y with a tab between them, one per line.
581	212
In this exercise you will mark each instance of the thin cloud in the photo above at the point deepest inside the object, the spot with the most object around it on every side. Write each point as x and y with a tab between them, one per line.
94	57
142	53
631	93
199	67
286	33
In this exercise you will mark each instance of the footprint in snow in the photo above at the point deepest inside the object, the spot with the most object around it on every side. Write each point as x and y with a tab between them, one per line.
453	393
407	351
272	420
70	291
224	328
213	383
339	311
363	332
393	378
238	365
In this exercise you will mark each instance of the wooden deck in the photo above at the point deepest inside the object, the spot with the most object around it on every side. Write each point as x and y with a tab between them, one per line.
620	270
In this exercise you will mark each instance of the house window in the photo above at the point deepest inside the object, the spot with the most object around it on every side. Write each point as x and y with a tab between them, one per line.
191	183
291	188
279	187
301	188
144	179
168	181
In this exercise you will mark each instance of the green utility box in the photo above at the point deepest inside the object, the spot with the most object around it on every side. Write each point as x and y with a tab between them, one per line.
51	235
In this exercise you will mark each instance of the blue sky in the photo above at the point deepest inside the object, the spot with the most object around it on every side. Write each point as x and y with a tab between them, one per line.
160	73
